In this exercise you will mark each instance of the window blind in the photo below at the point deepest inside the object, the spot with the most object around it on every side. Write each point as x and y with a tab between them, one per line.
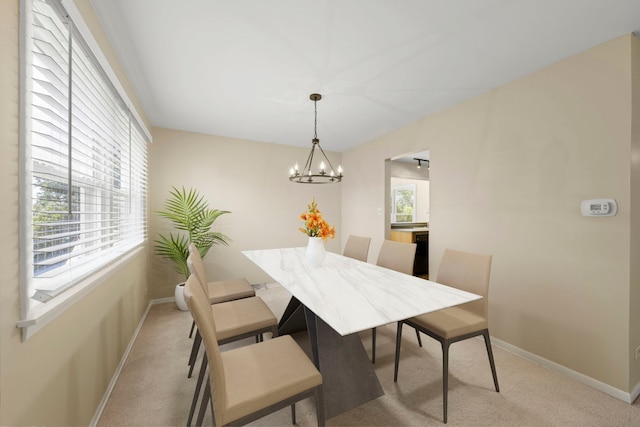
86	160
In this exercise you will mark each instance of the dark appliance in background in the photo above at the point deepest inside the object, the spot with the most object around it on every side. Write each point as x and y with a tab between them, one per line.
421	262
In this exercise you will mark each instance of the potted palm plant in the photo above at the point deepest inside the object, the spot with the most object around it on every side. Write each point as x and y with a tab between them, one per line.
190	214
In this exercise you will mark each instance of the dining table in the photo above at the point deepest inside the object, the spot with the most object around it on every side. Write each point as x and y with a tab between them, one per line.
337	300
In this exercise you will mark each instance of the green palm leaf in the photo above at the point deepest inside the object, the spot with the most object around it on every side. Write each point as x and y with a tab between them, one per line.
189	213
175	248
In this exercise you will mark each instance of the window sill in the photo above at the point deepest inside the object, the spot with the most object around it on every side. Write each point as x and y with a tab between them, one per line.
44	314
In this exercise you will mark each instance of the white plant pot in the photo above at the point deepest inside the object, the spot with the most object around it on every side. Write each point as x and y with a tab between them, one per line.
179	295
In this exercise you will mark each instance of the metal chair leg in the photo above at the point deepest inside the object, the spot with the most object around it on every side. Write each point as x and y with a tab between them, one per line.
193	326
194	352
487	343
445	378
196	392
206	397
419	339
293	413
398	341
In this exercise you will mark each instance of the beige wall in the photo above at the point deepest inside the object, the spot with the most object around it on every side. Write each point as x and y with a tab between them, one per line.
634	333
58	376
508	171
248	178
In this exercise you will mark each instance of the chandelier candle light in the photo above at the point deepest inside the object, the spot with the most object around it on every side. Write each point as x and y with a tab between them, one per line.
324	175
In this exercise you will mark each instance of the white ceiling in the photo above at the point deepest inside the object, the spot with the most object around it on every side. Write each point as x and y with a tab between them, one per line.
245	68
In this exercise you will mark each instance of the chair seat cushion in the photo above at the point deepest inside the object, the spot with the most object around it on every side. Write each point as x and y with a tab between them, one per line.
242	316
229	290
451	322
260	375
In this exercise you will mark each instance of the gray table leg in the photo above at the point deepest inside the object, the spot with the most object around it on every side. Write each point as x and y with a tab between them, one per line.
348	377
292	320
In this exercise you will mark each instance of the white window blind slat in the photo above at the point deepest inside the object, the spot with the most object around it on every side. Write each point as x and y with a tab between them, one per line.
104	235
87	159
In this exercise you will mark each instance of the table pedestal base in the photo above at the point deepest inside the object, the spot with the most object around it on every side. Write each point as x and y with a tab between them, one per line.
347	374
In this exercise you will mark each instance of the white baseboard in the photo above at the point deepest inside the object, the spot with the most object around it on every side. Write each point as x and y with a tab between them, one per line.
635	393
162	300
123	360
584	379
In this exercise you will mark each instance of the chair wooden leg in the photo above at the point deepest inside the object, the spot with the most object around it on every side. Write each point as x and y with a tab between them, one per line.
194	352
373	345
319	398
419	339
487	343
445	378
398	341
293	413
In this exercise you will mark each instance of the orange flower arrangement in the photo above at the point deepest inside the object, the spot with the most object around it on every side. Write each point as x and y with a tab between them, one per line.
315	225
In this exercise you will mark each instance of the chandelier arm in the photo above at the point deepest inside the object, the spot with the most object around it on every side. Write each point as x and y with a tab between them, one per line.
327	159
309	162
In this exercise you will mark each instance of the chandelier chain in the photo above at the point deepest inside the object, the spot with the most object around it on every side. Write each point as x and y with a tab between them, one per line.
315	119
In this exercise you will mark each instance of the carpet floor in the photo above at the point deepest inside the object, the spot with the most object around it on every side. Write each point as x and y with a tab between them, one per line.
153	388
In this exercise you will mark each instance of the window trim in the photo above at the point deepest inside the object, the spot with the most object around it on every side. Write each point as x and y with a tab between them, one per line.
394	213
43	314
33	320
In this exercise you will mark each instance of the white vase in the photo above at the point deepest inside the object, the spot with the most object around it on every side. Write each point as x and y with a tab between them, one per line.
179	295
315	253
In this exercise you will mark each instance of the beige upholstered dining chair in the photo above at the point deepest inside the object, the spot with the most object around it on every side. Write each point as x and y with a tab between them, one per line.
469	272
222	290
250	382
218	291
357	247
398	256
235	320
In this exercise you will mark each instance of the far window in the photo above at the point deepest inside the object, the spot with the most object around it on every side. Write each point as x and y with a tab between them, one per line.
403	203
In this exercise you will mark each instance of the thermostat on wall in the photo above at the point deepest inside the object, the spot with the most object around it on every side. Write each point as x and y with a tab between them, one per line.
599	207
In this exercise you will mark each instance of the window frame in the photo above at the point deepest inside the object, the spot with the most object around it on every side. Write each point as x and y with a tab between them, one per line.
394	213
32	319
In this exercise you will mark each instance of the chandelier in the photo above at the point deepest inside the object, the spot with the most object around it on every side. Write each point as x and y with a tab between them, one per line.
324	174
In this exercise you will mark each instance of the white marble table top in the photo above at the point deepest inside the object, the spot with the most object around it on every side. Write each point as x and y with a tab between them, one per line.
351	295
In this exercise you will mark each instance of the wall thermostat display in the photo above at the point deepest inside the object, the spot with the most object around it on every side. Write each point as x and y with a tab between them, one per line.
599	207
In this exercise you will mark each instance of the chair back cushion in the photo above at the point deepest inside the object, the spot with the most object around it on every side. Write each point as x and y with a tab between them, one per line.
398	256
357	247
197	266
469	272
194	267
200	308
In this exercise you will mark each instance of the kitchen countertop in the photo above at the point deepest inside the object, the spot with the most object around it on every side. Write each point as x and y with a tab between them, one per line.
412	230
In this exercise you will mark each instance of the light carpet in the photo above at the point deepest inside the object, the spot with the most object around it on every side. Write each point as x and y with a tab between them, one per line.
153	388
